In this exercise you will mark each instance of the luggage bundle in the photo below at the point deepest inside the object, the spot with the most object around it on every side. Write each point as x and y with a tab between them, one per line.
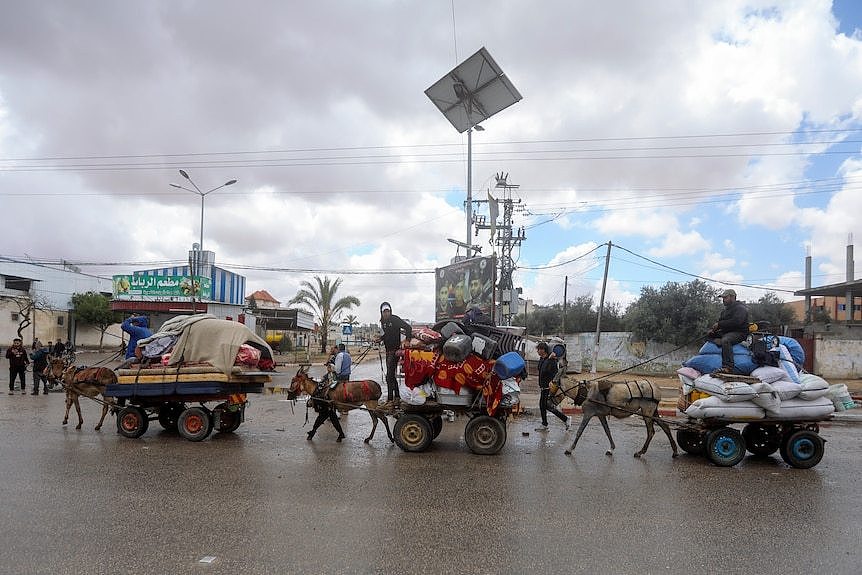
451	366
200	349
785	352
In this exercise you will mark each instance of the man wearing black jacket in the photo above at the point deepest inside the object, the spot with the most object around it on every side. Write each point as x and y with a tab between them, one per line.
730	329
392	326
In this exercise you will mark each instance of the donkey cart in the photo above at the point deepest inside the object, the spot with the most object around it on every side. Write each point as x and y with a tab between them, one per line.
798	441
164	395
417	426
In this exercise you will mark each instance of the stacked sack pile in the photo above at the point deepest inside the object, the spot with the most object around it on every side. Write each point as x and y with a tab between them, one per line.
451	367
760	391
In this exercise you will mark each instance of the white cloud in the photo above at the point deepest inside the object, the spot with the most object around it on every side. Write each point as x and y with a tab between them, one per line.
356	174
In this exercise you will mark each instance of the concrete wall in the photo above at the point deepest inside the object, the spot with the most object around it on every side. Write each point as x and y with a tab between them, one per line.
838	358
834	358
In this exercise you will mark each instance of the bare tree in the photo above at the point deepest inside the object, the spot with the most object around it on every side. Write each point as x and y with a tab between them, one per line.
27	307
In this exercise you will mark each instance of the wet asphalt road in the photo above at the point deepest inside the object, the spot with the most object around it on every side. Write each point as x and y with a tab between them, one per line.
265	500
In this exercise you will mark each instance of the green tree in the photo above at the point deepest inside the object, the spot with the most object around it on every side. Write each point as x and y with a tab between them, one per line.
772	309
94	309
580	317
674	313
820	315
319	298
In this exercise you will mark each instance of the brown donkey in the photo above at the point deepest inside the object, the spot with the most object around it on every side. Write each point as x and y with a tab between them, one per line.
88	381
345	396
619	399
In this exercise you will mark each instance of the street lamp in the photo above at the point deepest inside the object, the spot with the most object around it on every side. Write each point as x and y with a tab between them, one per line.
203	195
478	128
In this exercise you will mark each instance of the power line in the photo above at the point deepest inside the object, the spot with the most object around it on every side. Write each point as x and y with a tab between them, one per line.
735	284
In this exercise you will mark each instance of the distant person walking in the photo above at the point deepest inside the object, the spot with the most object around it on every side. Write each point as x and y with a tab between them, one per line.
40	362
392	327
18	362
59	349
547	371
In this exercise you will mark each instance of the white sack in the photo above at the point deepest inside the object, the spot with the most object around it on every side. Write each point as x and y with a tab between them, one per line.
785	389
812	386
766	397
715	407
804	409
768	373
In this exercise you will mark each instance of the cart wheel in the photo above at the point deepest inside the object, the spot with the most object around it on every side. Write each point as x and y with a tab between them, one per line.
413	432
229	421
693	442
169	413
802	449
437	425
725	447
195	423
762	440
485	435
132	422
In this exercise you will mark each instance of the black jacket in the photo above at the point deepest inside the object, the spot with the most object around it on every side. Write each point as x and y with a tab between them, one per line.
392	331
547	370
734	317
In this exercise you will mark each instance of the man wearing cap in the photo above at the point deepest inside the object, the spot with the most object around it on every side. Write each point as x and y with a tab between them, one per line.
392	326
730	329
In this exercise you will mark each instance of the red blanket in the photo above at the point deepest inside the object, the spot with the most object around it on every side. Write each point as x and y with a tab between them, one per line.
474	372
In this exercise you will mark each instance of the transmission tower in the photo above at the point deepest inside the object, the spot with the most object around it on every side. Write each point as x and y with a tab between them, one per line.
505	237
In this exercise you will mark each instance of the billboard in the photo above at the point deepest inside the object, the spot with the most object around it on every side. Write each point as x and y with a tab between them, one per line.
464	285
137	286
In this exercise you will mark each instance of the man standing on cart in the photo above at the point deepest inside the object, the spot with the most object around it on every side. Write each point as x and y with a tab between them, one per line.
136	327
730	329
392	326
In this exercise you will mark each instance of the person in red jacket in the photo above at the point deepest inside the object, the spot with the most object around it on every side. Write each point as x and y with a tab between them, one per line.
18	362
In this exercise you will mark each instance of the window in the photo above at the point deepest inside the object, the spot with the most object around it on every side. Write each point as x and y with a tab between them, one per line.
60	320
16	283
14	316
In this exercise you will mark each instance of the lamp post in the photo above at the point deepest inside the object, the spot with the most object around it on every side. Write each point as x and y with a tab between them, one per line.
478	128
194	267
203	195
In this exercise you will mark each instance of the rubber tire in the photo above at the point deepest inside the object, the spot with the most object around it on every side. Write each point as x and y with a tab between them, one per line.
802	449
437	425
169	413
413	432
762	440
195	423
725	447
229	421
693	442
132	422
485	435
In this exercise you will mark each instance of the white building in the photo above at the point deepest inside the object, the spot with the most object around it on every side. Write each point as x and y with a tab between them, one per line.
51	289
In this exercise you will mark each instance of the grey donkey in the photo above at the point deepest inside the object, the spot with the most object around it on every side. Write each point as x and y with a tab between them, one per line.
619	399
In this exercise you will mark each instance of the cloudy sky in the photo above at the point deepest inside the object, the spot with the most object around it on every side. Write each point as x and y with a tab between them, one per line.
717	139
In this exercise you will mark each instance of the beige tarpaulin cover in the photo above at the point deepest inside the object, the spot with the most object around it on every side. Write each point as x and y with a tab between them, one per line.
215	341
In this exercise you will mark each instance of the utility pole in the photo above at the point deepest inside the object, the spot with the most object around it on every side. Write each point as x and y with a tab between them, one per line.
601	307
506	239
565	297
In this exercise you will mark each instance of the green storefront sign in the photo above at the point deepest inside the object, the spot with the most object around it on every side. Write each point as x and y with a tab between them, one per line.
127	287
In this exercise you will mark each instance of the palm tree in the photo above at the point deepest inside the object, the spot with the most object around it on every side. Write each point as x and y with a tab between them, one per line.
319	298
